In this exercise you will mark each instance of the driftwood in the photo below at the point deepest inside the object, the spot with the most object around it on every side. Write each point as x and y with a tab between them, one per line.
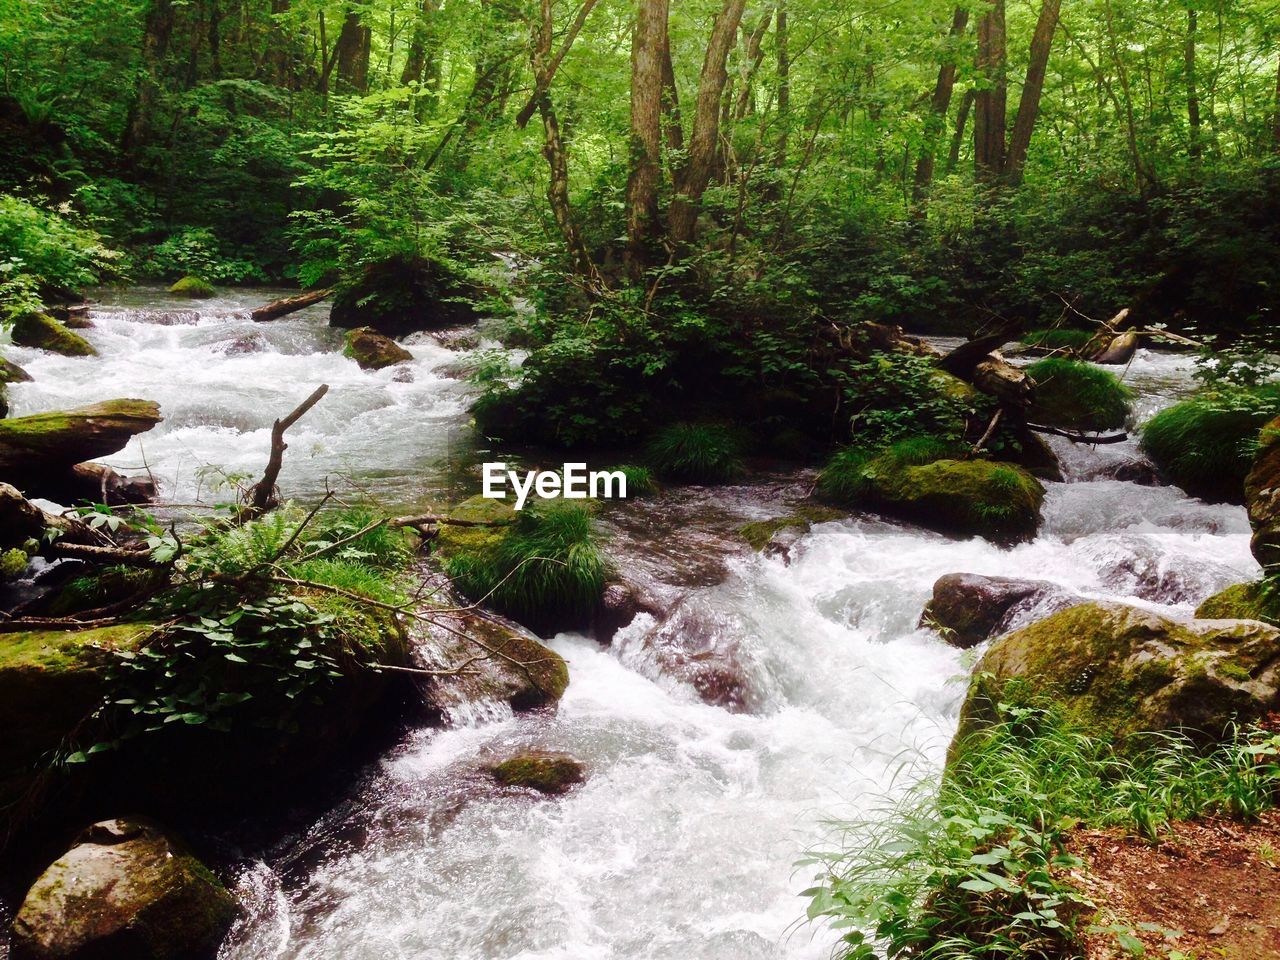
961	361
36	445
998	378
262	497
279	308
22	520
1075	437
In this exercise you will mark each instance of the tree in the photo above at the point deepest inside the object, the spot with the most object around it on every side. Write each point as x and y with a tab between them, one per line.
648	52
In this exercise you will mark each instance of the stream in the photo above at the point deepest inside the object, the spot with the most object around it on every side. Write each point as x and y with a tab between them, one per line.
681	843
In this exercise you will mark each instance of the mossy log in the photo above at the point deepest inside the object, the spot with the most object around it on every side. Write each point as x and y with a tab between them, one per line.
42	444
41	331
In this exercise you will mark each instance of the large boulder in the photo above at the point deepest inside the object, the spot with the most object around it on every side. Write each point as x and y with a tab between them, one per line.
1262	497
1242	601
967	608
373	351
125	891
541	770
193	288
45	333
1119	670
43	444
403	295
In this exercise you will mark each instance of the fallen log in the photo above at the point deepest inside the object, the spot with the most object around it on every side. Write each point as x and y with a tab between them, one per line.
45	444
997	377
21	520
287	305
1076	437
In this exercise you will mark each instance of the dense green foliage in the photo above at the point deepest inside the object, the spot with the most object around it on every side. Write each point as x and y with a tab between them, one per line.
1078	396
696	452
978	866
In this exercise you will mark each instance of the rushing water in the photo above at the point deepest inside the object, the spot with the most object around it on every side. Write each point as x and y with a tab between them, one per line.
681	842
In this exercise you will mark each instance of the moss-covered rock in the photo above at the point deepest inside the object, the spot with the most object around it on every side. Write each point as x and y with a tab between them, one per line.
403	295
12	373
373	351
1262	497
763	535
1119	670
194	288
494	516
1242	601
13	562
545	772
1078	396
124	890
41	331
35	446
998	501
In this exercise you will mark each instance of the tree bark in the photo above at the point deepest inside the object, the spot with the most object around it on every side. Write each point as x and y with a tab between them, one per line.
939	107
992	100
962	120
673	124
541	86
648	51
421	41
1024	123
784	82
156	33
744	104
352	54
706	123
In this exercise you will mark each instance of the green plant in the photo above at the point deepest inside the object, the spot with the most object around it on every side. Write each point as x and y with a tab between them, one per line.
894	396
1206	444
640	481
978	866
844	479
1059	338
1077	395
696	452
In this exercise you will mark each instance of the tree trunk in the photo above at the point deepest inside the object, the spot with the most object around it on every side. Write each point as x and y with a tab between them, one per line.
155	44
751	64
648	51
706	123
352	54
420	42
552	64
962	120
1024	123
784	82
674	125
1193	96
1275	132
989	118
279	56
939	107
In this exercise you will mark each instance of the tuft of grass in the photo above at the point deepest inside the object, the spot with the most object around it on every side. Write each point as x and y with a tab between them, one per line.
978	865
1078	396
347	575
1206	445
377	546
845	479
1061	338
696	452
549	569
640	480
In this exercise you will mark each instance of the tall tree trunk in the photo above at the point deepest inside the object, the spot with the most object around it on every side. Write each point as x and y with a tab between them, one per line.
352	53
754	55
962	119
1193	96
673	125
280	54
420	43
939	107
991	105
156	33
543	82
706	123
648	50
784	82
1275	131
1024	124
215	39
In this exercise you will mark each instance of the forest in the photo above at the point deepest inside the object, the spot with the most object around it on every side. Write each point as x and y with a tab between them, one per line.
934	343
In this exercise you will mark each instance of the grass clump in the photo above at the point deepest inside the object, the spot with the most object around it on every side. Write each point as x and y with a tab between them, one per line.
978	866
849	477
640	480
1206	445
548	570
1078	396
1061	338
696	452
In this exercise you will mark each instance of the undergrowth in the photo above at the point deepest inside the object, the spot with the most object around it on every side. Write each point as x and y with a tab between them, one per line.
696	452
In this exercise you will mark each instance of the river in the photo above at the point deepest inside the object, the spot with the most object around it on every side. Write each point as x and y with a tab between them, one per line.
680	845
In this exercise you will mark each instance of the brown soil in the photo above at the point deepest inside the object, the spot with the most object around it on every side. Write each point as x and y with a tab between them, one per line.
1211	887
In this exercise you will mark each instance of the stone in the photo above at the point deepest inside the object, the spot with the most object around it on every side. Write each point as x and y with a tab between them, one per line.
41	331
544	771
1262	498
373	351
124	891
193	288
967	608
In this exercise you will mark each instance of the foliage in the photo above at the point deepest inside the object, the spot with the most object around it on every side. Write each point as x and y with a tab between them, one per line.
897	395
978	866
1059	338
848	477
1078	395
640	481
549	566
696	452
1206	444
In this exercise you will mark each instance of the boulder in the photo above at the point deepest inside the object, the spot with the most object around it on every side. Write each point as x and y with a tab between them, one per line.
1118	670
403	295
998	501
372	350
1075	395
42	444
12	373
74	316
968	608
1262	497
620	603
124	891
246	344
544	771
193	288
1241	601
41	331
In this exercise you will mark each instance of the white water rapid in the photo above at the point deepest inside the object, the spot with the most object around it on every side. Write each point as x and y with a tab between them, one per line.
680	844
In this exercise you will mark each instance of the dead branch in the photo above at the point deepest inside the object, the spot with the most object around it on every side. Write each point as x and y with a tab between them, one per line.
280	308
263	495
1079	437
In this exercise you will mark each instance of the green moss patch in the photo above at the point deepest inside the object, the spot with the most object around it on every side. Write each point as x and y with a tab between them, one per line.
1078	396
193	288
552	773
41	331
1243	601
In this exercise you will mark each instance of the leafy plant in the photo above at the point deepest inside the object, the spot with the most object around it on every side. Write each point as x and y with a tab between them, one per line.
696	452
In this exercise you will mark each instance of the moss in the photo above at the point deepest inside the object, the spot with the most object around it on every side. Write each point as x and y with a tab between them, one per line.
194	288
996	501
45	333
545	772
1206	445
1242	601
372	351
452	540
758	533
1059	339
1078	396
12	373
12	563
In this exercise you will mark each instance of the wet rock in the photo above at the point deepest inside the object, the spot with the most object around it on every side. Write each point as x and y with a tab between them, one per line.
620	604
193	288
41	331
246	344
1134	470
968	608
457	338
1118	670
125	891
1036	457
403	375
50	444
12	373
699	648
1139	567
546	772
1242	601
777	535
372	350
73	316
1262	497
403	295
1117	350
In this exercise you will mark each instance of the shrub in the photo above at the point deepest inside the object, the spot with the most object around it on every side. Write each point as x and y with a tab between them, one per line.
1078	396
844	479
898	395
549	569
696	452
978	866
640	481
1206	444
